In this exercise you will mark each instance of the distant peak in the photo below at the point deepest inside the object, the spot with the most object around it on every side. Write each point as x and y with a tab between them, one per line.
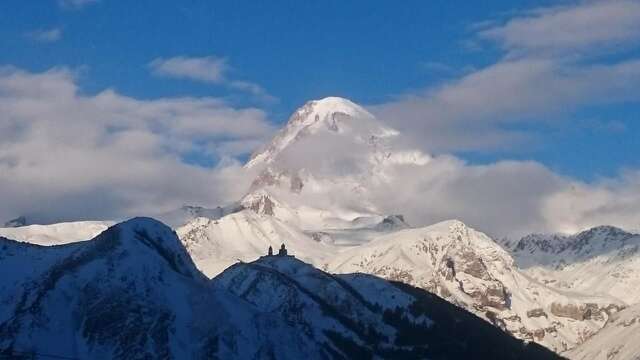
331	114
450	224
335	101
333	105
17	222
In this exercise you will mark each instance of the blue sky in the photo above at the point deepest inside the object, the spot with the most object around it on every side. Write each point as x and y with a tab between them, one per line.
297	50
197	84
367	51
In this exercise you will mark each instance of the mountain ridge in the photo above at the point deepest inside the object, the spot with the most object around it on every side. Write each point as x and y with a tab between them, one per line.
132	292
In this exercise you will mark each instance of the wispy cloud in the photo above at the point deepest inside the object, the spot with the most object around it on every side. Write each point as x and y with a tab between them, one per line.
207	69
254	89
45	35
75	4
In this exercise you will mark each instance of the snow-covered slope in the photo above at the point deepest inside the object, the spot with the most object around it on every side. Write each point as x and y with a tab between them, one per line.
133	293
469	269
618	340
130	293
364	316
55	234
245	236
601	260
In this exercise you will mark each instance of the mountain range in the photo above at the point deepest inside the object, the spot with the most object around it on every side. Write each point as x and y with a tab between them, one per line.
363	283
132	292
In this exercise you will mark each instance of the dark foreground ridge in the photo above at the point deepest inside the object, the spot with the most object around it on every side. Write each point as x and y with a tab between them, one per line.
133	293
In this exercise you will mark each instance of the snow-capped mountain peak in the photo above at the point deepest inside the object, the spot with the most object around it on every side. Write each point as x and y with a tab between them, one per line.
329	115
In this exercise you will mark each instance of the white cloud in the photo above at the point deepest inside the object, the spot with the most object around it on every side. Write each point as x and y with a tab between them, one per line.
548	70
45	35
509	198
505	198
470	113
111	156
253	89
208	69
566	30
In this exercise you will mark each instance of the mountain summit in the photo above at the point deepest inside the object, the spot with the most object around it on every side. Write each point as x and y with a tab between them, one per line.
332	114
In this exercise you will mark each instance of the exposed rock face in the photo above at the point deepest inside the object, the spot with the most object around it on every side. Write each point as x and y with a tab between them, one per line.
534	313
472	271
571	311
321	237
586	311
263	205
487	292
392	222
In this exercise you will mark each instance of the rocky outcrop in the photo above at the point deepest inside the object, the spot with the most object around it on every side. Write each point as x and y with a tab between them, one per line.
586	311
465	264
262	205
534	313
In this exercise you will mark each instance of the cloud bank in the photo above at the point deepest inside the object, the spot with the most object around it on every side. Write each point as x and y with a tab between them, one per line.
349	175
65	155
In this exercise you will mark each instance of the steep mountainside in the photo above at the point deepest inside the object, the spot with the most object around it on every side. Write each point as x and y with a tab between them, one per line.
130	293
133	293
471	270
366	317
